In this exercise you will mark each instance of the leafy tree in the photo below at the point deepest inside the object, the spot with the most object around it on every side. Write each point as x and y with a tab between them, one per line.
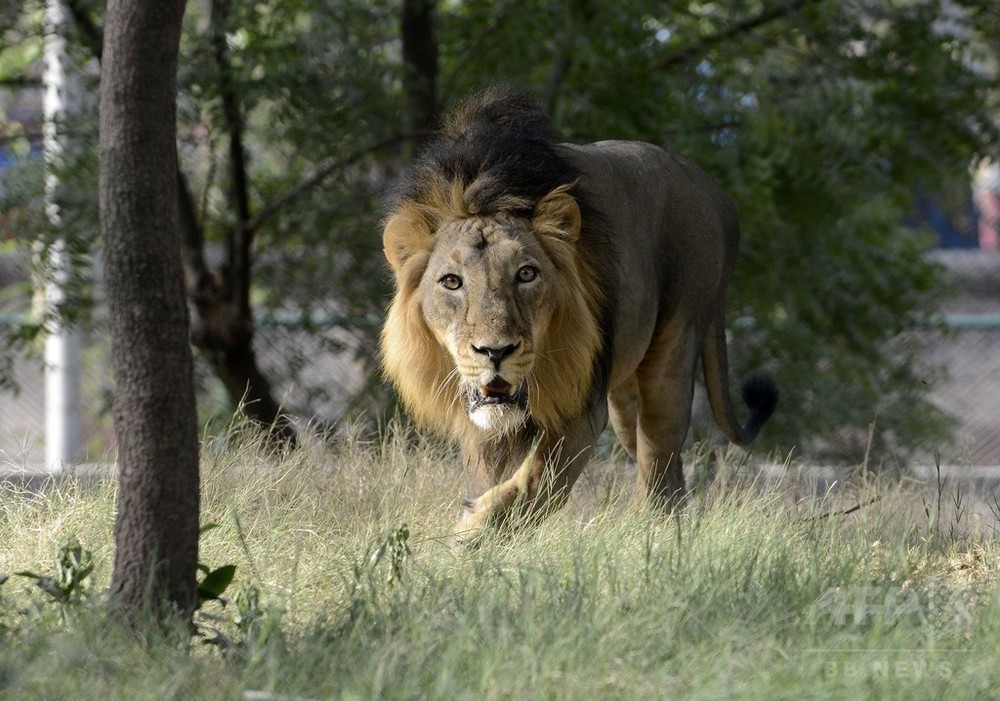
821	117
257	166
289	184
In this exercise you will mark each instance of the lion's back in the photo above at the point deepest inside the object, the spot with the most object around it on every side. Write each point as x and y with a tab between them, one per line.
673	230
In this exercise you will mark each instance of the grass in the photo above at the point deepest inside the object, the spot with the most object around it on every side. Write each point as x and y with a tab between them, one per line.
756	590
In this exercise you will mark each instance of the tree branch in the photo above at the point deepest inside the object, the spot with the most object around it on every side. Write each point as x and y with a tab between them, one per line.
562	62
316	178
10	138
21	81
420	65
241	236
196	274
474	50
845	512
91	33
750	24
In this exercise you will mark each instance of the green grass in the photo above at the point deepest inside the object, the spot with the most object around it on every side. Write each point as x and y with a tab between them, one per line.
754	591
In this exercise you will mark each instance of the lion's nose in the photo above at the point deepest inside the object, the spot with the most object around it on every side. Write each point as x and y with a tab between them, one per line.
498	354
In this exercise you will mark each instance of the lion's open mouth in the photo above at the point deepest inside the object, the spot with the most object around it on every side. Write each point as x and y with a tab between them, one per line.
496	393
498	407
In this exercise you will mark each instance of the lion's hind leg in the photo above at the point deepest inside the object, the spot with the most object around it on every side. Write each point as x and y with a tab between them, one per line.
623	405
666	389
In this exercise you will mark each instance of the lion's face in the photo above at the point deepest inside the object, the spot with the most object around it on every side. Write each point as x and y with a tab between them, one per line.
487	298
494	315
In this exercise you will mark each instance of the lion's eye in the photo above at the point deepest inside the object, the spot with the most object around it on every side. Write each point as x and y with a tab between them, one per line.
527	273
451	282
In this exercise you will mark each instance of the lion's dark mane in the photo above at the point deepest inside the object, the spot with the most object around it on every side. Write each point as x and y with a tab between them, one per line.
499	137
502	140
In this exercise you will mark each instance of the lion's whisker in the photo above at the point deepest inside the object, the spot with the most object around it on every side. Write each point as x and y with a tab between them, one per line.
439	391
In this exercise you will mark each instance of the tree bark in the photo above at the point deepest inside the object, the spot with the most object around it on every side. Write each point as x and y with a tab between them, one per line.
156	528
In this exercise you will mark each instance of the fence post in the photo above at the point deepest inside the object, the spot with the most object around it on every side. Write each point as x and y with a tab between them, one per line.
62	342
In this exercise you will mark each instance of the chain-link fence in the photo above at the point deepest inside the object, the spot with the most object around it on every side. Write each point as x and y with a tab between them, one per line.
320	376
318	373
970	355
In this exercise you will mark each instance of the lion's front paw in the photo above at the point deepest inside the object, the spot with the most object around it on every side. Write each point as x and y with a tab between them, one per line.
475	518
470	527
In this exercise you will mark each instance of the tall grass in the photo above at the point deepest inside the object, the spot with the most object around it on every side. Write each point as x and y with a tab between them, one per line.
755	590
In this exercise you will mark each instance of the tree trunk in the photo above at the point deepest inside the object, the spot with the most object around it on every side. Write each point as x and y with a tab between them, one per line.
420	67
225	326
224	323
156	529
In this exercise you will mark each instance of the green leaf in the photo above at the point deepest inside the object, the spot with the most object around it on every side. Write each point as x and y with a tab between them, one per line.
215	582
47	584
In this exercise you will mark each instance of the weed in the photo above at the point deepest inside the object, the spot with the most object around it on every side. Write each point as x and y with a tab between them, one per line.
70	585
394	544
213	582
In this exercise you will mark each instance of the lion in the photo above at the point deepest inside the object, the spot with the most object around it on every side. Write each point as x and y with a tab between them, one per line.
543	287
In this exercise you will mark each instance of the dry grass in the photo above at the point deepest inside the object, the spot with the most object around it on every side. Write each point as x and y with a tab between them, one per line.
759	588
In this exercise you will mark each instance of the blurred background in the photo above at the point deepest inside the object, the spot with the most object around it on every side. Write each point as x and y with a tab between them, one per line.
859	139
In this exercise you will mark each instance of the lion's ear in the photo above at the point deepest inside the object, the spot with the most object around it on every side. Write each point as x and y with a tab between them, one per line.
558	214
405	233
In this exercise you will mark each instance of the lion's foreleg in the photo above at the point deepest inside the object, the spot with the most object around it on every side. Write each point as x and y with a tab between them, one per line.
539	486
541	483
514	497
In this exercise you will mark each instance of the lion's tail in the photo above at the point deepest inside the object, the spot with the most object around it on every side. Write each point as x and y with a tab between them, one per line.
759	391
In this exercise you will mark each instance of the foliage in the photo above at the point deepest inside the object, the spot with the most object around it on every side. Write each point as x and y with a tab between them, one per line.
73	567
256	626
822	118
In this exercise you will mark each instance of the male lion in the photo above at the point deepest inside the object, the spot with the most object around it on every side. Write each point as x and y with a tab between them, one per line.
541	286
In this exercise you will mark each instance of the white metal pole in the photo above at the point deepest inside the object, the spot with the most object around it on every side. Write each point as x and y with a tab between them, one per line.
62	342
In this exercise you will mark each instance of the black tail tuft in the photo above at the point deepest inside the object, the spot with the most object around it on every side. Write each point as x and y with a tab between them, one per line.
760	393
